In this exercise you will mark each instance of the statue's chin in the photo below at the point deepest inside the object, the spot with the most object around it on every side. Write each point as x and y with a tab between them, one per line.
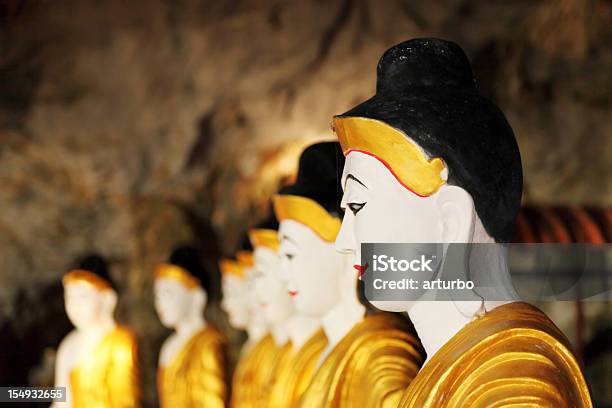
167	322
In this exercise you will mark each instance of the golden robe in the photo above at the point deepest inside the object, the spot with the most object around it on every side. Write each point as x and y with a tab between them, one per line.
108	378
255	373
295	373
196	377
370	367
513	356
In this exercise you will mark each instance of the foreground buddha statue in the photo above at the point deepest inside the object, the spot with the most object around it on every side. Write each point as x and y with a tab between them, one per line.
369	360
428	160
192	361
97	362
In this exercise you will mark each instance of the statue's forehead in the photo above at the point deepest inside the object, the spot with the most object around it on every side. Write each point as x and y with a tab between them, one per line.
77	287
168	283
294	232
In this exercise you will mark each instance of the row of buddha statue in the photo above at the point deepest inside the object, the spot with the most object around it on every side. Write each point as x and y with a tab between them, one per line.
426	159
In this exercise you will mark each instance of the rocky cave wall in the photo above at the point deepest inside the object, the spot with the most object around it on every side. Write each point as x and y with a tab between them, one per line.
127	127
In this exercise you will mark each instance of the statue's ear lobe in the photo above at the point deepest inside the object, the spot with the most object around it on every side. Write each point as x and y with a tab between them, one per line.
110	300
199	297
456	209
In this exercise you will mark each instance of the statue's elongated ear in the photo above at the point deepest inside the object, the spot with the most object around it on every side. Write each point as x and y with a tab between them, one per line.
110	300
456	209
200	298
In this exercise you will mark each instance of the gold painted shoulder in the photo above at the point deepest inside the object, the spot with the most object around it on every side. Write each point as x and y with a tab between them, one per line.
511	355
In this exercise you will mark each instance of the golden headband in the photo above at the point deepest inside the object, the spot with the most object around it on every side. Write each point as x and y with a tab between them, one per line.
88	277
245	258
390	146
230	267
170	271
267	238
307	212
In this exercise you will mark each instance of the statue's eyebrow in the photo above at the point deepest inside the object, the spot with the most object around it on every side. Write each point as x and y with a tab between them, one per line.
286	237
351	177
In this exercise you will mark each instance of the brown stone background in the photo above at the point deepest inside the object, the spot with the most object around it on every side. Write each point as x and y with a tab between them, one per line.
127	127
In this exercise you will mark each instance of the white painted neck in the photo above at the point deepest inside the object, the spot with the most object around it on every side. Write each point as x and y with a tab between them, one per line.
280	334
99	330
190	326
437	321
300	328
341	319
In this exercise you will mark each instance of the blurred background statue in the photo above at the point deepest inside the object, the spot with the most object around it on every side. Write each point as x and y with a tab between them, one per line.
192	362
268	341
97	362
307	340
235	302
278	311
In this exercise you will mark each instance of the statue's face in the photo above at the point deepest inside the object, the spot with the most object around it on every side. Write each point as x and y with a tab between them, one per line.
235	301
173	301
310	268
270	291
87	306
256	310
378	209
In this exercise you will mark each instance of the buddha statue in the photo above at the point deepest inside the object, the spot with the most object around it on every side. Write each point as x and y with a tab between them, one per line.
237	301
258	326
429	160
258	359
369	360
307	340
278	311
97	362
192	361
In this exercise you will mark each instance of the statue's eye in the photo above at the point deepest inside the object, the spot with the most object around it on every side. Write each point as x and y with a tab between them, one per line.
289	256
355	207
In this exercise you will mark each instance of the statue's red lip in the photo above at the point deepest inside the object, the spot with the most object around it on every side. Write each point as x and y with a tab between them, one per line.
361	269
293	293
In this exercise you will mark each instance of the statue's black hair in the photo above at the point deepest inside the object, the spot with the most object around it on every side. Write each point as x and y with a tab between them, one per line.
318	176
188	258
426	89
96	264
